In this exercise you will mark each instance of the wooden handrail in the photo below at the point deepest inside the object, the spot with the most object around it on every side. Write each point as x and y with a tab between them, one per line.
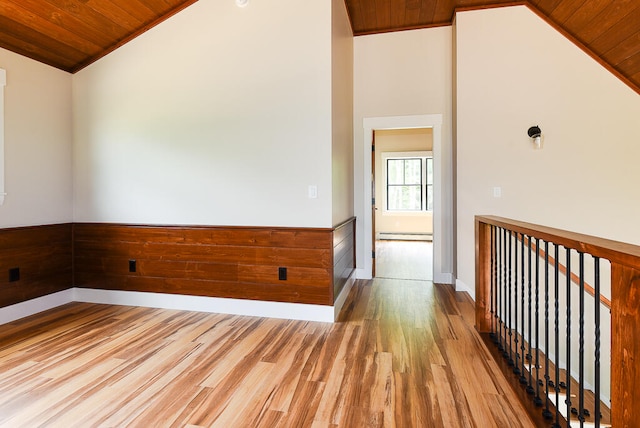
625	302
574	278
614	251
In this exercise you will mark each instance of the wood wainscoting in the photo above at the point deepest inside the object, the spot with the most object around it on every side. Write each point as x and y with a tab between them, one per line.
43	255
215	261
344	254
212	261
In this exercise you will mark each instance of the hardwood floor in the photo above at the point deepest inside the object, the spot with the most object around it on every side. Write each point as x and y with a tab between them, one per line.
404	354
404	260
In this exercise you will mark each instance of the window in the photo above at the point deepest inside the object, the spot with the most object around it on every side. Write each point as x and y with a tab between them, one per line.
409	183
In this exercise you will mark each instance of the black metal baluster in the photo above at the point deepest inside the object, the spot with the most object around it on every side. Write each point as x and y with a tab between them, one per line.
498	288
546	412
581	342
509	308
596	365
537	400
502	290
556	274
568	341
498	338
530	389
516	367
492	282
504	294
496	284
523	378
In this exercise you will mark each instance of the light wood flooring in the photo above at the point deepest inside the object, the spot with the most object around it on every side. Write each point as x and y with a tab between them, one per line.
404	354
404	260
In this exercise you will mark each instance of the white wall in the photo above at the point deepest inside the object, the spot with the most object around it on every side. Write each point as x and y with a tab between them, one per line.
342	113
221	115
37	113
514	71
404	74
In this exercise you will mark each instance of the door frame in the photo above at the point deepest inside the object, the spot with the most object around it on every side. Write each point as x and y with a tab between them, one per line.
433	121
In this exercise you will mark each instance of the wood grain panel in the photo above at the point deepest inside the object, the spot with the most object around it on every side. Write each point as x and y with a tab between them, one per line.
344	262
283	292
483	276
565	9
625	51
22	14
633	64
44	256
211	253
606	20
585	13
625	346
9	41
50	20
72	34
242	236
629	26
233	262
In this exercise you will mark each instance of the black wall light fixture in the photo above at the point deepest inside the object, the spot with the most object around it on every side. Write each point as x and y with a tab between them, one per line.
536	134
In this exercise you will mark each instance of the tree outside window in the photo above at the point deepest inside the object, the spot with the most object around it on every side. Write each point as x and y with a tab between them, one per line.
410	184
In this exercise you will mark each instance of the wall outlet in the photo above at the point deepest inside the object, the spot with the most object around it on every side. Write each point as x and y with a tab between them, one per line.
282	273
14	274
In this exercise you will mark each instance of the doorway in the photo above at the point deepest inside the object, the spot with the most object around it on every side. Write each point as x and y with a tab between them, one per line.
403	181
371	124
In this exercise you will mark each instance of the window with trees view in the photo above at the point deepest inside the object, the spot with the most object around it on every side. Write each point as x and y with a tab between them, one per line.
410	184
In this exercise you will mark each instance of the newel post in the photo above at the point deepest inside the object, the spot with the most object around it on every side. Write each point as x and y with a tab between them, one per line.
483	276
625	346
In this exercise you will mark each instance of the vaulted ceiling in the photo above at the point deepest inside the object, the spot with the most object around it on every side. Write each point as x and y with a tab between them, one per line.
71	34
608	30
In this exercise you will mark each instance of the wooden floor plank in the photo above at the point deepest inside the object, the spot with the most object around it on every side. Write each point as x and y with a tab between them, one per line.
403	354
446	400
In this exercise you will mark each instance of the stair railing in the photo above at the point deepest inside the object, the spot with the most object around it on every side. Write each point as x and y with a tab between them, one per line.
575	352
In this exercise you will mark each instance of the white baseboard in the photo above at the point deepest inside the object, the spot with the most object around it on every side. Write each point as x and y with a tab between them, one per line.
461	286
362	274
443	278
254	308
33	306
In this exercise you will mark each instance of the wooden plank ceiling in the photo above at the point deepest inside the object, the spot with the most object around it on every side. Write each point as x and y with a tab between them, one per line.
608	30
71	34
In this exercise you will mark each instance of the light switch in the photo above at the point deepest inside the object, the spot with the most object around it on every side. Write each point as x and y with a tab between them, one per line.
313	192
497	192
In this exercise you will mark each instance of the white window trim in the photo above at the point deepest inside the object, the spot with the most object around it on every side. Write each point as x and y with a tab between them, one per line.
400	155
3	83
